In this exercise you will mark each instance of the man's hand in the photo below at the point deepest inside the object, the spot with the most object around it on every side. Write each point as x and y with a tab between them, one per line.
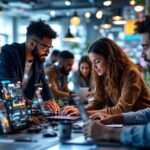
70	110
97	131
51	104
37	120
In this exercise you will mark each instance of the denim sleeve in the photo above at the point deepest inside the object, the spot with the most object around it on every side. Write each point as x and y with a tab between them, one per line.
136	136
139	117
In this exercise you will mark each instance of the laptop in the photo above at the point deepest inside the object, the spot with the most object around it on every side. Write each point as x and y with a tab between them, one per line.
82	140
13	105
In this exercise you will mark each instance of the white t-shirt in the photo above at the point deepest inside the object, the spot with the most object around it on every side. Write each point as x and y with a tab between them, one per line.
27	74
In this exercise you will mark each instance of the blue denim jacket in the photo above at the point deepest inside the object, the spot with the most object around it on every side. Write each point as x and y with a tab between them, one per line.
136	135
138	117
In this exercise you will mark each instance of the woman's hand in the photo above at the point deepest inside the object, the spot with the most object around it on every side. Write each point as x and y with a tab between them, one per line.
104	118
99	116
70	110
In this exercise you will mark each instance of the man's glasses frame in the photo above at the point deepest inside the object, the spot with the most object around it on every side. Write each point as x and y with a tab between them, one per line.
45	47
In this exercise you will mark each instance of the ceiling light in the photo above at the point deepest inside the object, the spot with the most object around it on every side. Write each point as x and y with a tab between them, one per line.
138	8
119	22
67	3
53	13
1	10
87	14
106	23
75	20
105	26
107	2
70	38
117	15
99	14
132	2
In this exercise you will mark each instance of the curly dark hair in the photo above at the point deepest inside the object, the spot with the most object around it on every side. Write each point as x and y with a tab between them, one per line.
40	29
143	26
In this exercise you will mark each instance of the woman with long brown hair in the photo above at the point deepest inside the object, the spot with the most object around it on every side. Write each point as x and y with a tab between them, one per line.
82	77
119	86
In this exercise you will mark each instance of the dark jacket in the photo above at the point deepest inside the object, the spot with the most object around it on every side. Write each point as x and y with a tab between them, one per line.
12	65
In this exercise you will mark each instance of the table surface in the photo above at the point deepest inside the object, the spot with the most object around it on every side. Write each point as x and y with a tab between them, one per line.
39	142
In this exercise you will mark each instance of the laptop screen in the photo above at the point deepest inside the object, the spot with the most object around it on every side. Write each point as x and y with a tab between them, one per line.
11	94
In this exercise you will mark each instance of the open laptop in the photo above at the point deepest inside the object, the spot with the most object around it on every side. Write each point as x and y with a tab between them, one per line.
83	91
13	105
82	140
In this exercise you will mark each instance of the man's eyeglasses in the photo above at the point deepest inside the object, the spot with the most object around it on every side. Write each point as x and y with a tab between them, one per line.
44	47
145	46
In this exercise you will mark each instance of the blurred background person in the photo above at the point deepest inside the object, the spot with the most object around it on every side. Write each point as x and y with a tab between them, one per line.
58	76
82	77
52	59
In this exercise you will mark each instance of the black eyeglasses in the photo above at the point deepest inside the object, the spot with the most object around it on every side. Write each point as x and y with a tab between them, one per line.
145	46
44	47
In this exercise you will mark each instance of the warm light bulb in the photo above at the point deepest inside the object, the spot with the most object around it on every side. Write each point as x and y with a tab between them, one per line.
117	17
75	20
119	22
132	2
106	26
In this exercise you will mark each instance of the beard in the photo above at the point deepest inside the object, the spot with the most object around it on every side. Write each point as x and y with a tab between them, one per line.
65	72
146	59
37	56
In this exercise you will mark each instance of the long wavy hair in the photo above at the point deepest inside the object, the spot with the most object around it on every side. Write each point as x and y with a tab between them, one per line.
116	59
85	59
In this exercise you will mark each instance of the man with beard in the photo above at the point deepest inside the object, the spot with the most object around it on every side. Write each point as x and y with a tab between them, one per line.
25	61
57	75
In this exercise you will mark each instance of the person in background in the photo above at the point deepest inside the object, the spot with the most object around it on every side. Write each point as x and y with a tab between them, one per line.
58	75
136	135
82	77
119	86
25	61
54	56
53	59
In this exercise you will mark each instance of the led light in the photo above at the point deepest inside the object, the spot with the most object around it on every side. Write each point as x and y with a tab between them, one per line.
87	14
107	3
99	14
139	8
